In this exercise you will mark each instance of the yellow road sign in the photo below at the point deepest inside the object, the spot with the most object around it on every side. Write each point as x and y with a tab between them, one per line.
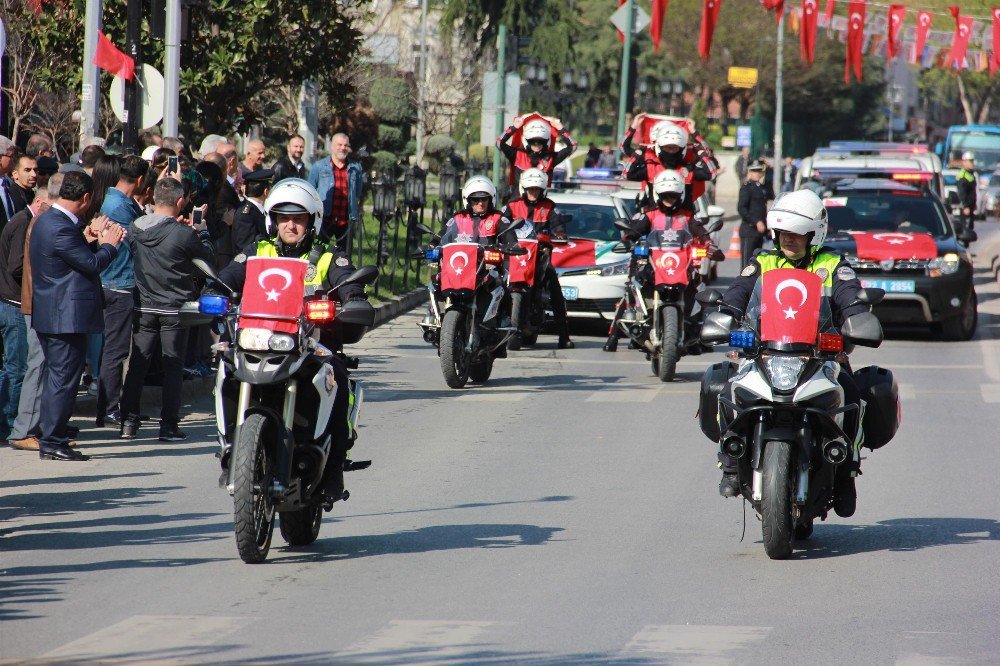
743	77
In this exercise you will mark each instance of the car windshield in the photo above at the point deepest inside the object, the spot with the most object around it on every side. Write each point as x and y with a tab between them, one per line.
985	145
589	221
884	211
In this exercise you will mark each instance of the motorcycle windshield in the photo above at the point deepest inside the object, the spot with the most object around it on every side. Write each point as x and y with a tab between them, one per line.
789	308
459	263
273	294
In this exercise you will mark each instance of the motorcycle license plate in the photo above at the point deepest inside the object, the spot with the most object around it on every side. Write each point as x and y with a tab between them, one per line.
571	293
891	286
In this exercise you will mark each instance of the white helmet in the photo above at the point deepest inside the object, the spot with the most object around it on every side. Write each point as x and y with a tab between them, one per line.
666	133
293	196
669	181
536	129
969	155
533	178
478	185
799	212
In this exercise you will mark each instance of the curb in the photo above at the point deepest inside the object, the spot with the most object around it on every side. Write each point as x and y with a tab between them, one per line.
398	305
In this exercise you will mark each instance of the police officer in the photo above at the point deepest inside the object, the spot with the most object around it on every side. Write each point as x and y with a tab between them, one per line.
535	154
540	212
752	207
798	222
293	217
671	149
248	223
966	183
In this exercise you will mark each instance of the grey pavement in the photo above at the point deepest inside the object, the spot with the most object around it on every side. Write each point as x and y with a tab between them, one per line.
565	513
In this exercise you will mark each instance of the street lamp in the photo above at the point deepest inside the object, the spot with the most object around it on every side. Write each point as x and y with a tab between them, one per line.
583	82
384	197
415	187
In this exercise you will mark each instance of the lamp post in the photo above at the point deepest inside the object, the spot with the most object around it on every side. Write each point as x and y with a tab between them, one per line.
449	190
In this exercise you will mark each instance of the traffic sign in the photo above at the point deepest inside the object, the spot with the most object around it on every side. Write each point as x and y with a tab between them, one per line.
488	131
150	97
744	136
743	77
620	19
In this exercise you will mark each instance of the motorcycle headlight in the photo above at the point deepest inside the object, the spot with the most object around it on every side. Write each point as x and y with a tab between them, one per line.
615	269
281	342
784	371
254	339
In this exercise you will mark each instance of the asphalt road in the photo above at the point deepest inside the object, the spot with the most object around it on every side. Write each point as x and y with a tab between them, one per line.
566	513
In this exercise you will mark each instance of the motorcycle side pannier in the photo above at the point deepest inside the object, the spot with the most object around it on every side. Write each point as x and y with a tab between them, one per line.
712	384
882	412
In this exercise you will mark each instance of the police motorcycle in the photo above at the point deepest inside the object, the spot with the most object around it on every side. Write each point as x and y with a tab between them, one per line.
466	296
658	325
274	394
778	408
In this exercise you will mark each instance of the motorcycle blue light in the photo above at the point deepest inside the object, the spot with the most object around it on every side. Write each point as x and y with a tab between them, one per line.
744	339
213	305
432	254
641	251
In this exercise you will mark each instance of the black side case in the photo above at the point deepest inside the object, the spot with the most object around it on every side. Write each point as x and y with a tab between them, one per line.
712	384
881	393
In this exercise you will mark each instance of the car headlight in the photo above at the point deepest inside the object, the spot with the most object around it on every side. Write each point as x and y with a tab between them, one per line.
615	269
262	339
945	265
784	371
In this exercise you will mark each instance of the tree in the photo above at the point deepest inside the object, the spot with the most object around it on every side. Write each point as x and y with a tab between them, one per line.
975	91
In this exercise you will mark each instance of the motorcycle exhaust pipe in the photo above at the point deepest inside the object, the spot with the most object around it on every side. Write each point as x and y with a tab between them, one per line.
734	447
835	452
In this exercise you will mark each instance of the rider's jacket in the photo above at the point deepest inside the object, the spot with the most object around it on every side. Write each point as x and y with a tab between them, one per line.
522	159
467	227
840	282
541	214
678	218
647	165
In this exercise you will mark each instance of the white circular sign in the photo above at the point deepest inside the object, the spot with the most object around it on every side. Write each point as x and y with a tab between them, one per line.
150	97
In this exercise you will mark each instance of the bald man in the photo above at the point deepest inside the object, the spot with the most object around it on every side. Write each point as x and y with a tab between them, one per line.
338	182
254	157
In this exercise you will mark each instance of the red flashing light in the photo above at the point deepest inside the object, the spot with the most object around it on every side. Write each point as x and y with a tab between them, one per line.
321	311
831	342
492	257
923	175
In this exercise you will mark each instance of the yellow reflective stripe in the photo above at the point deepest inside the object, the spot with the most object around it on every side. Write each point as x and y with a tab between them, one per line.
268	249
826	260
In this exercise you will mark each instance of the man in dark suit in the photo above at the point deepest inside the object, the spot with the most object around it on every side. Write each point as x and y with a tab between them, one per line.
226	205
66	263
291	165
249	222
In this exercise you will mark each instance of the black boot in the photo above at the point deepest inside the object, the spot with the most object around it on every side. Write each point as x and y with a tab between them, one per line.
845	495
612	344
730	485
333	478
565	342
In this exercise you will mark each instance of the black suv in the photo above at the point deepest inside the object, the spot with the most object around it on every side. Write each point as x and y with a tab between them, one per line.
900	239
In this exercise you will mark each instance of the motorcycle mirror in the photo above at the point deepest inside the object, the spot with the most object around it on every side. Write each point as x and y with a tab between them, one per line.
716	326
714	224
511	226
709	297
863	329
513	250
620	248
870	295
208	270
623	224
364	275
715	211
424	229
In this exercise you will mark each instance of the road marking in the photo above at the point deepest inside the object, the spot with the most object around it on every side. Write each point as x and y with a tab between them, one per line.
702	644
990	392
927	660
493	396
413	641
163	639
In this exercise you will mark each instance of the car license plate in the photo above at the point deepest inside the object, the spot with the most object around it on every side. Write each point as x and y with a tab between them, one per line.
892	286
571	293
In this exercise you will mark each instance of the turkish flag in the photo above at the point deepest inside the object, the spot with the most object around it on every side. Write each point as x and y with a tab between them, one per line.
855	39
709	17
894	245
517	139
574	253
960	40
670	265
807	44
776	6
924	20
829	11
656	22
897	13
459	263
650	120
995	60
621	35
110	59
273	293
789	306
522	267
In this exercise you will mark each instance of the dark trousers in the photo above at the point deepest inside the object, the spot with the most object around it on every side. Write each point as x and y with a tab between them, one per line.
64	359
118	317
341	438
747	247
150	329
558	301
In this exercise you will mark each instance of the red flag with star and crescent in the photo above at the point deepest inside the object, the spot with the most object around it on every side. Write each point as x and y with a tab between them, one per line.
897	13
670	266
273	293
855	39
709	17
960	40
810	19
924	20
789	306
521	268
459	264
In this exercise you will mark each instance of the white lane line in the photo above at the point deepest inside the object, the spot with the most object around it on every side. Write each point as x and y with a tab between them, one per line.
694	644
163	639
991	358
417	641
907	392
625	395
482	396
927	660
990	392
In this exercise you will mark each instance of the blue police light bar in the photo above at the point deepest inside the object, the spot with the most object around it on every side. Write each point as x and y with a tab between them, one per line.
597	174
432	254
743	339
641	251
213	305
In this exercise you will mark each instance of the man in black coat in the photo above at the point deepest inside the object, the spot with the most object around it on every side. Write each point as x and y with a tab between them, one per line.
290	165
752	207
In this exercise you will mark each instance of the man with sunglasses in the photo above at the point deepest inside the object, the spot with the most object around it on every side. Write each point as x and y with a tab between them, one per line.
535	153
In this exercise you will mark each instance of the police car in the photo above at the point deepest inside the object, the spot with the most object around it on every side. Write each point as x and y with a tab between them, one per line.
899	238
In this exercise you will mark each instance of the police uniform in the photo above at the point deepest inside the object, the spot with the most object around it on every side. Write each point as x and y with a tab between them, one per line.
965	186
249	221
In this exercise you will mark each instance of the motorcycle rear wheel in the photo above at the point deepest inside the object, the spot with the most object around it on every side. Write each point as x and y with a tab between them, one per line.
301	528
776	505
253	511
669	351
454	361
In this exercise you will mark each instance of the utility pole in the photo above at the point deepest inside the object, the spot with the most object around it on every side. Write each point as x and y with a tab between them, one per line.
90	93
421	81
626	65
501	95
133	115
779	111
172	68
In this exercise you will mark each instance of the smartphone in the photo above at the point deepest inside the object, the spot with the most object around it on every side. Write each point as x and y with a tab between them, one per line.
196	216
172	164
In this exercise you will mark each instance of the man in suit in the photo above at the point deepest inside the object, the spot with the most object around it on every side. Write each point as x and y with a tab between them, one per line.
66	263
248	225
226	205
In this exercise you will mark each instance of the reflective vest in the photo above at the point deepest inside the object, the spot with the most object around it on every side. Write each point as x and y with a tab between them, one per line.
465	224
823	259
540	214
661	221
267	248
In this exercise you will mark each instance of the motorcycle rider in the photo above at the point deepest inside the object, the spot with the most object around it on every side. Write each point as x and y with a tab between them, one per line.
965	185
671	149
673	213
535	154
798	223
540	213
294	212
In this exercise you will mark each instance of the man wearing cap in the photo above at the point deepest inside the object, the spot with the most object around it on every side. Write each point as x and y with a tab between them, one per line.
752	207
966	187
248	224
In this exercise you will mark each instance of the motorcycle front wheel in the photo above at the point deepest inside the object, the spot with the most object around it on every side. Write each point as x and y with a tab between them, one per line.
253	467
776	505
669	351
454	360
